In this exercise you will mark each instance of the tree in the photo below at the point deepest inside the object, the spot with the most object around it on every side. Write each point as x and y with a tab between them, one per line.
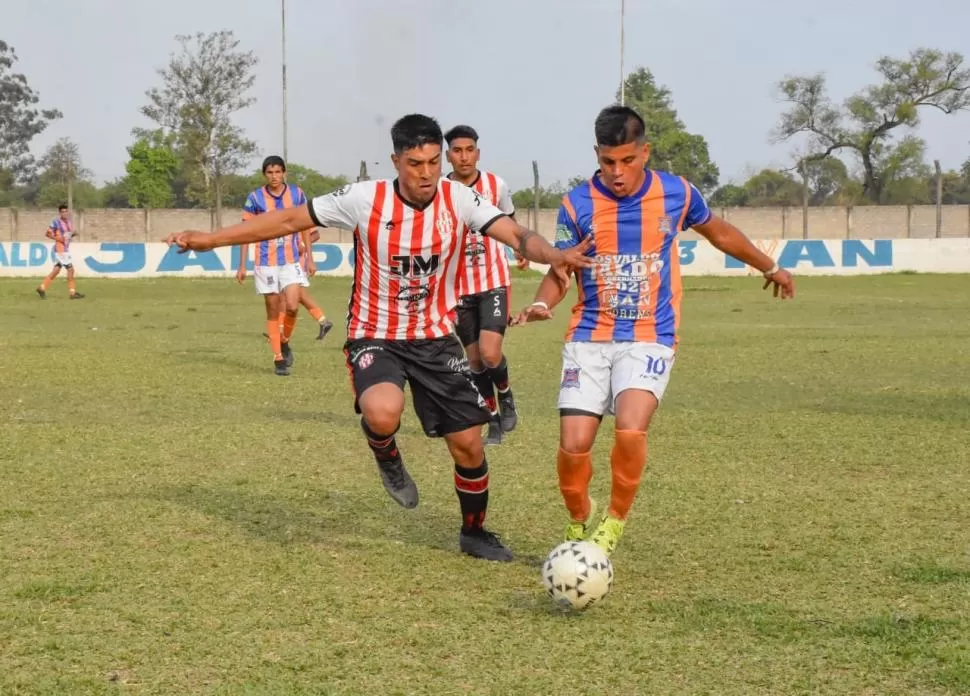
826	179
772	188
864	124
202	88
729	196
151	170
63	178
20	122
672	147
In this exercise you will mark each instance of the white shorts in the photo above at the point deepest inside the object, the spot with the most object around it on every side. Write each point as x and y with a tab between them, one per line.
63	259
272	280
594	374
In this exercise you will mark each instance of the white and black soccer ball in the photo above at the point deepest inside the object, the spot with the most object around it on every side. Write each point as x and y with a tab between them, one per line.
577	574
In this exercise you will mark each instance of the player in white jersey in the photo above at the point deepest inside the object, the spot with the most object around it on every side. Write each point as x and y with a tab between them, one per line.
409	236
483	313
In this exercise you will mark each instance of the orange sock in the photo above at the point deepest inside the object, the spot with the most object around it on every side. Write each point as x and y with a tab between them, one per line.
627	460
282	319
575	472
275	340
71	287
289	323
46	284
316	313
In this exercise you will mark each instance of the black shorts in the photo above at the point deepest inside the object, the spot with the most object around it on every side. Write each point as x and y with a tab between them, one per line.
445	398
486	311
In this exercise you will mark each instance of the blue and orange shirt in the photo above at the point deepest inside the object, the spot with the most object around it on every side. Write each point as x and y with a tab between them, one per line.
62	231
633	291
275	252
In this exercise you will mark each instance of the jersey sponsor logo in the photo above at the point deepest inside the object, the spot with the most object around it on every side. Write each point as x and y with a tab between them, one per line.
341	191
665	224
570	378
475	253
415	266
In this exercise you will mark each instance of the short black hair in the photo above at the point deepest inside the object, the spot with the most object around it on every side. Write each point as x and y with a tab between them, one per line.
618	125
62	206
273	161
414	130
461	132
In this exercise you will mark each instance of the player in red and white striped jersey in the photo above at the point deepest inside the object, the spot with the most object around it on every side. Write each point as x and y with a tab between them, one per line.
483	313
409	240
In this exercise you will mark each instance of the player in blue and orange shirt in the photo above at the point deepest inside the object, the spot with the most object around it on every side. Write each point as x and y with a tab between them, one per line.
61	230
622	338
278	267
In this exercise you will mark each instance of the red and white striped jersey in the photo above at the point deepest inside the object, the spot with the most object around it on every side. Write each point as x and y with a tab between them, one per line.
408	260
486	265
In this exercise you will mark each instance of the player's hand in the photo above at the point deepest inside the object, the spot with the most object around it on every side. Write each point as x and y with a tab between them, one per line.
571	259
781	281
311	267
521	262
241	276
190	241
534	312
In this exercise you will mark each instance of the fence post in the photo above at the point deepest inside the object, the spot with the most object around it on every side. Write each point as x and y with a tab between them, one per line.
939	199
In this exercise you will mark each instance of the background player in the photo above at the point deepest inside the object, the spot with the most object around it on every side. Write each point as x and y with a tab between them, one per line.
621	340
277	266
61	230
483	312
408	234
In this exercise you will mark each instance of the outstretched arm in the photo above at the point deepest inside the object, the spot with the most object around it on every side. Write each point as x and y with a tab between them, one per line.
729	239
527	243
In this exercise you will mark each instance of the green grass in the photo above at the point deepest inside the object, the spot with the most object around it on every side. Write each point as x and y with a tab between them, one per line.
174	519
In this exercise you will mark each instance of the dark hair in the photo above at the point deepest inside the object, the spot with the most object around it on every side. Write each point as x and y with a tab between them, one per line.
414	130
461	132
618	125
273	161
62	206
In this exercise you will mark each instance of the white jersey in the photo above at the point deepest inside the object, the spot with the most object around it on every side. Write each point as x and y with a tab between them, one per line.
486	265
408	260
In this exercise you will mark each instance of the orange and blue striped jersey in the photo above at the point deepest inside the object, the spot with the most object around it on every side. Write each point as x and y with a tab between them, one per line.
62	232
633	291
275	252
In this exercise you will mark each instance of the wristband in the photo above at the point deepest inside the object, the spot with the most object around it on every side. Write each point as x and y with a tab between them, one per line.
771	271
540	303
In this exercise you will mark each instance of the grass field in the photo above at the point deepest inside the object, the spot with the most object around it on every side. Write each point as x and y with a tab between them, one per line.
174	519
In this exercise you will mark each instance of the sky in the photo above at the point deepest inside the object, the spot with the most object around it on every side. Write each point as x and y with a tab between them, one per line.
529	75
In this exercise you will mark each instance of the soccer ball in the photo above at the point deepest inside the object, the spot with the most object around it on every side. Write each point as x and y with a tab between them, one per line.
577	574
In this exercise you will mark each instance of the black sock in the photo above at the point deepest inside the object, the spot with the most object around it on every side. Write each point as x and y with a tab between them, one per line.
500	375
483	382
471	485
384	447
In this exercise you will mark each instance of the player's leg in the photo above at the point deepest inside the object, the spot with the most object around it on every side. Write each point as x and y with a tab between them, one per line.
378	382
641	373
468	331
267	283
71	285
46	283
584	396
315	311
493	319
290	305
449	406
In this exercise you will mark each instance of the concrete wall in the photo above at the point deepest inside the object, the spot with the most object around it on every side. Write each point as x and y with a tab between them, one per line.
865	222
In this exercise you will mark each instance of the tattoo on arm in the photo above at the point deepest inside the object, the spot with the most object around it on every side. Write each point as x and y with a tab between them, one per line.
525	235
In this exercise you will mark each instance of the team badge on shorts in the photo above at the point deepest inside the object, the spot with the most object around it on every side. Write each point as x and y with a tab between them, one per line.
570	378
365	360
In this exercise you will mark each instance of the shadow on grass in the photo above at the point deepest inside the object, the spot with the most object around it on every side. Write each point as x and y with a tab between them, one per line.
330	518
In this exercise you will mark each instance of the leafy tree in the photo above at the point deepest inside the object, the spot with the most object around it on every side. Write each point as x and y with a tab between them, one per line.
151	170
672	146
729	196
20	121
864	124
62	178
203	86
772	188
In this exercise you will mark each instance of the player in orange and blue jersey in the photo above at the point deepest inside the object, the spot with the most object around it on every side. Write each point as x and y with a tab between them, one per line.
61	230
621	342
277	264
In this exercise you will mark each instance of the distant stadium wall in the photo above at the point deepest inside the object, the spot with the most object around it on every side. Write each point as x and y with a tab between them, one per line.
697	257
824	222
